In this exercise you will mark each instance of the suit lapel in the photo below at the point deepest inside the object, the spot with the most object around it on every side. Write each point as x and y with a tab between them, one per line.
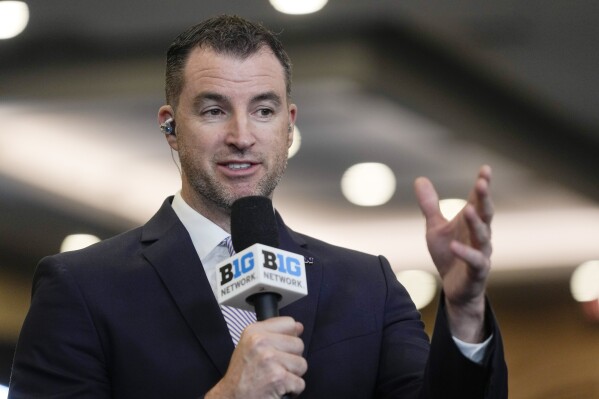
303	310
171	253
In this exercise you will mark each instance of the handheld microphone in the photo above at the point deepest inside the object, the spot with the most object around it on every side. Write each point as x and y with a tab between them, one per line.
260	276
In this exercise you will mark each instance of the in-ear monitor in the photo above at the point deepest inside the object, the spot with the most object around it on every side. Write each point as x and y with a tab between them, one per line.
168	126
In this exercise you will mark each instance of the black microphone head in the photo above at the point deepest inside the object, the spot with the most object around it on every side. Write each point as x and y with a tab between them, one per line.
253	222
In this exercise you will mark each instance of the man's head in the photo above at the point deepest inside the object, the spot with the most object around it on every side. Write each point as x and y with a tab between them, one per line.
230	113
228	35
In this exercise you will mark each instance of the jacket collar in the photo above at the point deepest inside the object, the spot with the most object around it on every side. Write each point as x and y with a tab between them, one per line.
171	253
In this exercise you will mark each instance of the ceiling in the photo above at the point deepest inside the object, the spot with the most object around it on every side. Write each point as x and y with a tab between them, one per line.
430	88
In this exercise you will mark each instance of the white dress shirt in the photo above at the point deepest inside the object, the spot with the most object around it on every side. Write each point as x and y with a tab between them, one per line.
205	236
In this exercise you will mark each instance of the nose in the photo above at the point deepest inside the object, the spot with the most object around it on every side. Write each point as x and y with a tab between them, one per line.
240	133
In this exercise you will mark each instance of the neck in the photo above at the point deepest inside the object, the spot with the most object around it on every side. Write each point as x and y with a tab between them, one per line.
217	215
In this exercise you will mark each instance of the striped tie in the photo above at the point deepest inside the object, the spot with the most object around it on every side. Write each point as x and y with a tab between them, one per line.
237	319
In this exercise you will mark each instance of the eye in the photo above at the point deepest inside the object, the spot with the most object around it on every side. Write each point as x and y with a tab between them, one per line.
213	112
265	112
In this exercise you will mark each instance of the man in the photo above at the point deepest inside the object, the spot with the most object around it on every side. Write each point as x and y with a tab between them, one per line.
136	315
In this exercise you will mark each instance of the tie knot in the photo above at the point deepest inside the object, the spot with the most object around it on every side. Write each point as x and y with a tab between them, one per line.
227	242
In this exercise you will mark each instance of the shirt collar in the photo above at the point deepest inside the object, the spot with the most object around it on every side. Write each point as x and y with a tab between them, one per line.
205	235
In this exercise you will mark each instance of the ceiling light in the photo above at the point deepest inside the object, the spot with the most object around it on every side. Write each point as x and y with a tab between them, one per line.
450	207
77	241
584	283
14	16
421	285
297	142
298	6
368	184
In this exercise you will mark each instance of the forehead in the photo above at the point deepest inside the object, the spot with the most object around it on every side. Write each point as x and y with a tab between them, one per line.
206	69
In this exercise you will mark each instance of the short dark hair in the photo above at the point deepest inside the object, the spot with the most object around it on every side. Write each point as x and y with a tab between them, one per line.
224	34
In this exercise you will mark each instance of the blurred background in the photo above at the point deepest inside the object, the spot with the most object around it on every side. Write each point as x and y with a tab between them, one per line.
432	88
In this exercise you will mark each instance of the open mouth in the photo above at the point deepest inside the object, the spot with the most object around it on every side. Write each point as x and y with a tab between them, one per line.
239	166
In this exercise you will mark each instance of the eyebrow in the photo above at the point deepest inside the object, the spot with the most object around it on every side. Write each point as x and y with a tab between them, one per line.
209	96
268	96
199	100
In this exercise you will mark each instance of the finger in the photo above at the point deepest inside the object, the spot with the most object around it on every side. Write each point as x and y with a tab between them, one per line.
299	328
294	364
292	386
428	200
484	204
287	344
480	195
478	263
480	232
258	342
274	334
283	372
286	370
296	387
282	325
485	172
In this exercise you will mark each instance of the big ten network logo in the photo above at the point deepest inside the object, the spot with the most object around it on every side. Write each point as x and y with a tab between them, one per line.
244	264
260	268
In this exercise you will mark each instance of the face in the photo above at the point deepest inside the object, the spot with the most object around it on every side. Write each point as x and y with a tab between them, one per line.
232	128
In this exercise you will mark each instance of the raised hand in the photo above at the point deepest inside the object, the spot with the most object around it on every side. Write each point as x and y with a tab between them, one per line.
461	250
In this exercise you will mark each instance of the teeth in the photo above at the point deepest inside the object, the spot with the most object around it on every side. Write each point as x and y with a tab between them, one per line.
237	166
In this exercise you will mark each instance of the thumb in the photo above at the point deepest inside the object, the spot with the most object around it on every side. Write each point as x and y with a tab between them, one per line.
428	200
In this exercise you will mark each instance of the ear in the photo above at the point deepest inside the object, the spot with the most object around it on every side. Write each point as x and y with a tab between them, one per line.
292	118
164	113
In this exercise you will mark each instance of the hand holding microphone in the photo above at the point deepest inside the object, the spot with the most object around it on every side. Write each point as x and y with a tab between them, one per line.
267	362
268	359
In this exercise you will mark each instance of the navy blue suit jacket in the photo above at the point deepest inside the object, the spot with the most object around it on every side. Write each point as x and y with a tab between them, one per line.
134	317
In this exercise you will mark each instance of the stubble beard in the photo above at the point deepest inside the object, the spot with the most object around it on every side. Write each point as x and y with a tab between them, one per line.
212	192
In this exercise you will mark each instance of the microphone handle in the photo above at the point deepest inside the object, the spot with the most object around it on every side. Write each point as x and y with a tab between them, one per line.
266	305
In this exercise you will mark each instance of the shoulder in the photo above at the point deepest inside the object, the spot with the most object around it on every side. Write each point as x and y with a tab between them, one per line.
122	250
121	246
333	258
319	246
94	265
342	266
